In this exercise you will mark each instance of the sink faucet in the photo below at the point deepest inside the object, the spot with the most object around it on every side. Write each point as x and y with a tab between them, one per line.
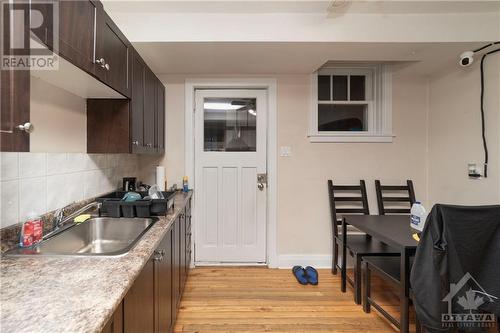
59	220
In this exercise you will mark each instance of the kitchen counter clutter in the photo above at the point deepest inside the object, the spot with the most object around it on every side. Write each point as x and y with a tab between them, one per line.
80	294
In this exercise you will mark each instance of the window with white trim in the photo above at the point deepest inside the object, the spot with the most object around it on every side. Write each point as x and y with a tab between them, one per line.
351	103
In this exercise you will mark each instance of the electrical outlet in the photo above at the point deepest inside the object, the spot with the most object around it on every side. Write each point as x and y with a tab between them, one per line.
474	171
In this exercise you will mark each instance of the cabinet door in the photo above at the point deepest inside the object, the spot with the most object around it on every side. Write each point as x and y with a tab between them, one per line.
77	21
182	224
164	284
175	268
149	110
160	117
139	305
137	104
76	25
115	323
14	100
112	54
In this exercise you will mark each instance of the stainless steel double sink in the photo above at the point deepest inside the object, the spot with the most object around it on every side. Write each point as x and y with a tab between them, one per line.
99	236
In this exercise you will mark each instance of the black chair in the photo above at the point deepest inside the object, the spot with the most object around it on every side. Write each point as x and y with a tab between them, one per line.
400	194
388	268
356	245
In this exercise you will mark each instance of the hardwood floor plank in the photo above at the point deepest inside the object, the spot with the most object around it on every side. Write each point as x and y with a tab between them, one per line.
258	299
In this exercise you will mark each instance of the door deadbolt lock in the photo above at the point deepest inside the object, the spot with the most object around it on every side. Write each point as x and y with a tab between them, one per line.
261	181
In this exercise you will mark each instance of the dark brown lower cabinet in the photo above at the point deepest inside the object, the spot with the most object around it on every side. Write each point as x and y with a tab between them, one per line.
176	269
152	302
115	324
182	224
139	303
163	284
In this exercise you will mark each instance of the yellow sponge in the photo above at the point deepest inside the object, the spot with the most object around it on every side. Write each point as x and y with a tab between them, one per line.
416	237
81	218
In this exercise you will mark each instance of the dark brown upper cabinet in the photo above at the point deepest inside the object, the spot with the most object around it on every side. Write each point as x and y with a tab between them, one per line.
14	101
137	104
129	126
77	21
149	110
160	117
112	54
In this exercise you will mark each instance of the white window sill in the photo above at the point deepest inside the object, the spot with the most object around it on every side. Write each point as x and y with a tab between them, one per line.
361	137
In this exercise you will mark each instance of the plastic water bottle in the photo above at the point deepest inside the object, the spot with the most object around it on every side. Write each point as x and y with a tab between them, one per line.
418	215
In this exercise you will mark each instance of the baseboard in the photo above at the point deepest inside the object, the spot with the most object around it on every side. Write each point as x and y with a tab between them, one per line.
314	260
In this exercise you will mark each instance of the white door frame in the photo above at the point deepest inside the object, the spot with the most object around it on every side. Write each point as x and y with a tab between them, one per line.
189	150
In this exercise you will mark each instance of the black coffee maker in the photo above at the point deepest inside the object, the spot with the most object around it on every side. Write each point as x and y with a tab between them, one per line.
129	184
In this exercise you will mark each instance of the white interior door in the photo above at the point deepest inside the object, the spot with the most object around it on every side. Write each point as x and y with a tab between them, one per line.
230	154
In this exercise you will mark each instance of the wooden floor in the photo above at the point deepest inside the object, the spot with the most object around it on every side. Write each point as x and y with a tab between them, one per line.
237	299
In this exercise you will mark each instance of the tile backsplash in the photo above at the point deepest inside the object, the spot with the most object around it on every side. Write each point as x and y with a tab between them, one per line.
42	182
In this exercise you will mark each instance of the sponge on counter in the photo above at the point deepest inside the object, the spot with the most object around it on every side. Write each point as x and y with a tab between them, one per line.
82	218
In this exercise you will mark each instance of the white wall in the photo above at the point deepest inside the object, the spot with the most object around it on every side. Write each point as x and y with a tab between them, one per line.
42	182
59	119
303	211
455	134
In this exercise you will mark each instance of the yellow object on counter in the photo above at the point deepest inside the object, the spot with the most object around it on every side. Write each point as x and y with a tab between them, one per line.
416	237
82	218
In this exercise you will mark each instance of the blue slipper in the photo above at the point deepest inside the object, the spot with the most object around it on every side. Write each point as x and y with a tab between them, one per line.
312	275
300	274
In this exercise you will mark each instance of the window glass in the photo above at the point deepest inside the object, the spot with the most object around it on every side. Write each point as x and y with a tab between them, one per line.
324	89
357	85
338	117
340	87
230	124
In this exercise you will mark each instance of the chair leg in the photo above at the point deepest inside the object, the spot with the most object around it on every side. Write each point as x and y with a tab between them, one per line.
343	269
357	280
335	258
367	288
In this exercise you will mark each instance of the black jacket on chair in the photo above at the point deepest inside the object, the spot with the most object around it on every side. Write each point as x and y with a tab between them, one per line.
457	265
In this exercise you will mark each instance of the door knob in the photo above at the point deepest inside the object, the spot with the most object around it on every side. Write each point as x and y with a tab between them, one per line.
260	186
27	127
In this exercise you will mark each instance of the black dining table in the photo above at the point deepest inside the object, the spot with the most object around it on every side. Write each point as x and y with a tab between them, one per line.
395	231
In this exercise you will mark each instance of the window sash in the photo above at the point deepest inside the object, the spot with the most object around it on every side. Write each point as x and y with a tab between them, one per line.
378	98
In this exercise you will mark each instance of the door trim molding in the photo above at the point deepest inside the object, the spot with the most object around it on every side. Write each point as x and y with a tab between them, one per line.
270	84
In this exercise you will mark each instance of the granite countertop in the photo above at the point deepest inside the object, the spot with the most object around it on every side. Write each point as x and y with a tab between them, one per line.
73	294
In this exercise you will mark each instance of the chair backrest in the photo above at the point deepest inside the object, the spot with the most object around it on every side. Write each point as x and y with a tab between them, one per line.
400	194
348	203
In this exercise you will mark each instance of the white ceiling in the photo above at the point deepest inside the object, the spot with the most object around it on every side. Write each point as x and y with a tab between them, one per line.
293	58
303	6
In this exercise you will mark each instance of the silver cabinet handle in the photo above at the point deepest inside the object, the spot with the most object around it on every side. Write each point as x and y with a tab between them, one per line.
149	145
135	143
158	255
27	127
260	186
103	63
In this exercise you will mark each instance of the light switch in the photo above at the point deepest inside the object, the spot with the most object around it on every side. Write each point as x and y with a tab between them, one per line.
285	151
